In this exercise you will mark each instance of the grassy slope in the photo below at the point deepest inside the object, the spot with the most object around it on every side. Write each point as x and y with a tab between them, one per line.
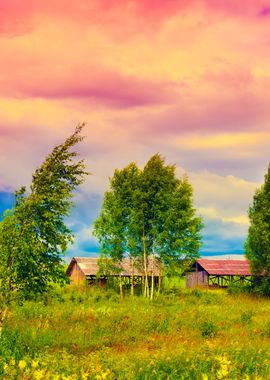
91	334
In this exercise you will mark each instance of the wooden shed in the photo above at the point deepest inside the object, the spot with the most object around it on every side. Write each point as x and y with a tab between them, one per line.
87	268
221	273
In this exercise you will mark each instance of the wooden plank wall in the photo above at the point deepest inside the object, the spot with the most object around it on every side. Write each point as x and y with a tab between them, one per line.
194	279
76	275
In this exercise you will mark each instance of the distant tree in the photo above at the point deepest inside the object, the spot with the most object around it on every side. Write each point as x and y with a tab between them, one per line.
258	241
158	183
149	214
182	238
114	225
172	230
33	235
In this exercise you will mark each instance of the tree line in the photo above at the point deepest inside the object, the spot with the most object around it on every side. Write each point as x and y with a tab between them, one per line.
147	214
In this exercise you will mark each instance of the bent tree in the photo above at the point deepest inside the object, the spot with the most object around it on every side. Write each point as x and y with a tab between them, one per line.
148	214
33	235
257	245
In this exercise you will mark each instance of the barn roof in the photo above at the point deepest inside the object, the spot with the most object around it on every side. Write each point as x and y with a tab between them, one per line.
225	267
90	266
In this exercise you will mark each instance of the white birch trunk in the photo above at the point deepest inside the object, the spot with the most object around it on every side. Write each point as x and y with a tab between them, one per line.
132	277
152	276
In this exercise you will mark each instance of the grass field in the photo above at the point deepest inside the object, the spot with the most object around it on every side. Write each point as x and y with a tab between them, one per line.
90	334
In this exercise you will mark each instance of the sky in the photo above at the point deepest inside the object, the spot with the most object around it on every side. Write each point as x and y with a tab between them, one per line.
187	78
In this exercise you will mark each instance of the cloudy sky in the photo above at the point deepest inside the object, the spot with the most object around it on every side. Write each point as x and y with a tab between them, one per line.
187	78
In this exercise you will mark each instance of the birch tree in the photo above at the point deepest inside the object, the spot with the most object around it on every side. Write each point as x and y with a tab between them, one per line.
113	228
149	214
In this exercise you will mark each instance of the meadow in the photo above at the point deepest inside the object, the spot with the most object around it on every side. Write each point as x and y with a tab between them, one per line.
89	333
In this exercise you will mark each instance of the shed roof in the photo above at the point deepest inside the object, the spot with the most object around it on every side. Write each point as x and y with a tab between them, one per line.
226	267
90	266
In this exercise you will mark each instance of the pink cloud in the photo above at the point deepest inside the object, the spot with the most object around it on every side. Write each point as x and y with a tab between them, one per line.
18	17
238	114
121	18
265	11
116	90
93	84
231	78
247	8
15	16
227	100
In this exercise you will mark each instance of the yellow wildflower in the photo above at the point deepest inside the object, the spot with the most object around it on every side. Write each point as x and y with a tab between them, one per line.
22	364
84	375
103	375
34	364
39	374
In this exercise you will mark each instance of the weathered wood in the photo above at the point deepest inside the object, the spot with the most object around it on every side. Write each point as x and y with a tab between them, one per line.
77	276
195	279
220	273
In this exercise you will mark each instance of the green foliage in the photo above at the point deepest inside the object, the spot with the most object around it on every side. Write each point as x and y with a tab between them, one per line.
113	227
34	236
258	241
147	213
246	317
238	288
208	329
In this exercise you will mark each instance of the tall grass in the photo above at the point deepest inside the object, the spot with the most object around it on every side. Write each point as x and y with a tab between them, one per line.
89	333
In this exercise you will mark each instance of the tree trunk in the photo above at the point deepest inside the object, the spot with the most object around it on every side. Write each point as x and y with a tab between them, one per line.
159	283
159	278
121	286
132	277
146	285
152	275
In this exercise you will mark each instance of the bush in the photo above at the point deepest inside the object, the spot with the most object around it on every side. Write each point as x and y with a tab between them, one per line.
208	329
246	317
238	288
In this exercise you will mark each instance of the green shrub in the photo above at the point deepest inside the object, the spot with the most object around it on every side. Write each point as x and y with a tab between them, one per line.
235	288
208	329
246	317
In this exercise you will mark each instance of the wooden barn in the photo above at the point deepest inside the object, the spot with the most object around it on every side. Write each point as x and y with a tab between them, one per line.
218	273
87	268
